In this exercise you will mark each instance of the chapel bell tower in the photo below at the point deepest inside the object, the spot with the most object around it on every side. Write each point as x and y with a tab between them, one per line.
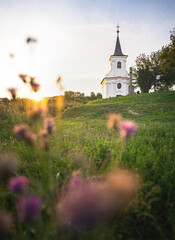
116	81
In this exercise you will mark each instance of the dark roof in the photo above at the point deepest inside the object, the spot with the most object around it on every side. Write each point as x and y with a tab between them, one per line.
118	50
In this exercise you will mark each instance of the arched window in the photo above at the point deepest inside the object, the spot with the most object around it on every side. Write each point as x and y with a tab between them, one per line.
119	85
119	64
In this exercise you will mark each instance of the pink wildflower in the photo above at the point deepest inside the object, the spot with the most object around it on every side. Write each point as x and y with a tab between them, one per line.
127	129
76	181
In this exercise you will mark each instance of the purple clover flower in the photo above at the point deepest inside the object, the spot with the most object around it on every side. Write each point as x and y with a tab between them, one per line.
29	208
18	184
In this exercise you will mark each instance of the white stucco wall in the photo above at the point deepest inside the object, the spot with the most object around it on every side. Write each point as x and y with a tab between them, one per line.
104	88
115	72
115	76
110	87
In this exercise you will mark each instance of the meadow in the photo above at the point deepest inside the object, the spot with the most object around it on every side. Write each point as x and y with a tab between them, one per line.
82	141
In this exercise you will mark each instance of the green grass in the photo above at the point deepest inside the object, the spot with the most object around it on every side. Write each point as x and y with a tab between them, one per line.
83	135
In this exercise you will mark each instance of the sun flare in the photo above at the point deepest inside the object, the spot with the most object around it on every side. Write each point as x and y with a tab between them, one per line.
36	96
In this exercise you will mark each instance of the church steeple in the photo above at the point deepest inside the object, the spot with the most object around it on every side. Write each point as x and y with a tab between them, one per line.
116	81
118	50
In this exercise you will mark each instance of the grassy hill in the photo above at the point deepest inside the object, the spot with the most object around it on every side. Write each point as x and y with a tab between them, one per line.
82	141
153	106
151	152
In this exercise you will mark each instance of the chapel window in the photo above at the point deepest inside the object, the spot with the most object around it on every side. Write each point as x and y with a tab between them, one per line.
119	64
119	85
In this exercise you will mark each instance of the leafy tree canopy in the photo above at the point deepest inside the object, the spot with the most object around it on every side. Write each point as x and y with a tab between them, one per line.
167	60
148	72
156	70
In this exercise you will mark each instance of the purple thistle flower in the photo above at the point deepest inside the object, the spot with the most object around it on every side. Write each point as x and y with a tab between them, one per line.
86	205
18	184
49	125
29	208
127	129
80	206
22	132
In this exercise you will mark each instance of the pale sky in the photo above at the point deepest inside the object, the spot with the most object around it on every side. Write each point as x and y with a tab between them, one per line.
76	39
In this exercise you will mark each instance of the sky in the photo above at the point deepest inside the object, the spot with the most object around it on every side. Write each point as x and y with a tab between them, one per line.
75	39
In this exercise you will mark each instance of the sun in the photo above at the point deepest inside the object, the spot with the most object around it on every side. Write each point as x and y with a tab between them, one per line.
36	96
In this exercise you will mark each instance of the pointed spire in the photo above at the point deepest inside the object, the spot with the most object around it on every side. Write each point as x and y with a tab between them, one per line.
118	50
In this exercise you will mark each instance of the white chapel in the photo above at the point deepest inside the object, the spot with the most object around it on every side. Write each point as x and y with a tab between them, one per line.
116	82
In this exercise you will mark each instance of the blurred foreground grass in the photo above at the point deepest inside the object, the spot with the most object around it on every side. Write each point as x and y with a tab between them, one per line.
82	134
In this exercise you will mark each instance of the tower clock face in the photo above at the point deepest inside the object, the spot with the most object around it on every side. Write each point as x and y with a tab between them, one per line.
119	85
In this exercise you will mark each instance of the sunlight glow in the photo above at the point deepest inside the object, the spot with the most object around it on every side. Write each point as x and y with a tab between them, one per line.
36	96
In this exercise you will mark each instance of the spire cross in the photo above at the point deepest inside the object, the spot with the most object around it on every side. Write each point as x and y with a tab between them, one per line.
118	29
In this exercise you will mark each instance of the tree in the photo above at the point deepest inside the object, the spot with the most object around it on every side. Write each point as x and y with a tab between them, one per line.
143	73
77	94
156	69
99	96
144	79
148	72
167	61
69	95
92	96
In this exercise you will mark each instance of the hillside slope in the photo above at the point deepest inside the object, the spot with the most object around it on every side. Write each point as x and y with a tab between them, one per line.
152	106
83	142
150	152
